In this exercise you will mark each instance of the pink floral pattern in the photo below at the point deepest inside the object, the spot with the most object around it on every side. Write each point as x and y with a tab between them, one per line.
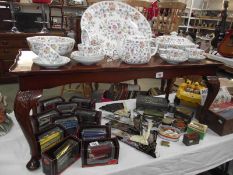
113	22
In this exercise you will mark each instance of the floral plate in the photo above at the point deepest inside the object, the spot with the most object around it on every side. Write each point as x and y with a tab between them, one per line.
112	22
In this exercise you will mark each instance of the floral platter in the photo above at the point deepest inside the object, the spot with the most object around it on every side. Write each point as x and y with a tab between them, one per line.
112	22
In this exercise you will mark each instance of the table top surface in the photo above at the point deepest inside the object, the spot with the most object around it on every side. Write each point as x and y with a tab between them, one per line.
24	65
102	72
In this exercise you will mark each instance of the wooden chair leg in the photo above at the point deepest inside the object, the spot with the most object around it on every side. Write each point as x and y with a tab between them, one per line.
163	81
62	90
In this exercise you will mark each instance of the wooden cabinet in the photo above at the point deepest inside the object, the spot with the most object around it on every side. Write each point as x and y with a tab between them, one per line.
10	44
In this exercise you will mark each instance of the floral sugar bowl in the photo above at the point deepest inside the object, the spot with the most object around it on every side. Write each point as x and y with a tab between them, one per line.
137	50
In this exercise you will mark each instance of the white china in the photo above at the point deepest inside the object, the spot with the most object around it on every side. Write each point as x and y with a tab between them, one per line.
89	50
174	41
137	50
171	60
48	55
111	22
62	45
195	54
196	59
86	60
90	39
85	37
176	54
43	63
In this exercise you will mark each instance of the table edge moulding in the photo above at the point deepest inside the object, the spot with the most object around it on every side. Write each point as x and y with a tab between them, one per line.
33	79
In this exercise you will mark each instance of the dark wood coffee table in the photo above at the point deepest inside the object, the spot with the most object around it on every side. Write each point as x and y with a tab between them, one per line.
33	79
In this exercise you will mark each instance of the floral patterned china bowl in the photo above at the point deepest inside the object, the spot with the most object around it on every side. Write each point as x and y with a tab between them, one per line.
86	60
174	56
43	63
62	45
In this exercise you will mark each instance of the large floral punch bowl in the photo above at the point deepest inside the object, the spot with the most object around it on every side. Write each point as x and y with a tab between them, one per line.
62	45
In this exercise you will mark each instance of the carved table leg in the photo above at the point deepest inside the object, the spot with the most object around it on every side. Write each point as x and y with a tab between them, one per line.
24	102
213	86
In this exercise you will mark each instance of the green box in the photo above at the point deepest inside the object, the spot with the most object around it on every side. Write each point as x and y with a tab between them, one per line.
201	134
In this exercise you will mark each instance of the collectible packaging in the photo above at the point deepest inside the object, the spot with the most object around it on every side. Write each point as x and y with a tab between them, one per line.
42	120
198	128
61	156
49	104
94	132
49	137
113	107
88	117
100	152
191	139
83	102
156	113
180	124
148	102
184	113
66	107
69	122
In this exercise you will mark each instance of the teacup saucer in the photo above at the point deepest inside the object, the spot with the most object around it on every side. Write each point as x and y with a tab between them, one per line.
196	59
173	61
54	65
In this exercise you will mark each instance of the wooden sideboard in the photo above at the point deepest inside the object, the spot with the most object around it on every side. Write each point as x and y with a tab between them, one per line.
10	44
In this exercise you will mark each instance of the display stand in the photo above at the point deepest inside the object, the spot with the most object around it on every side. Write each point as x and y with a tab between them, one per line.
104	72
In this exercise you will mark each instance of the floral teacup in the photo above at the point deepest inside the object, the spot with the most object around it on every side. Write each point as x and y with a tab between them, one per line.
89	50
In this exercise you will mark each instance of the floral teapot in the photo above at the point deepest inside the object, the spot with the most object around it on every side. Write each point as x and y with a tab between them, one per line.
137	50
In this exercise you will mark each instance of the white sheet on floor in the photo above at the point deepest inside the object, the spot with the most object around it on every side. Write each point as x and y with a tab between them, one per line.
177	159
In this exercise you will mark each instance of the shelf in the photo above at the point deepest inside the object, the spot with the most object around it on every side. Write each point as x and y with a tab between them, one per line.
208	18
183	26
201	28
65	6
197	27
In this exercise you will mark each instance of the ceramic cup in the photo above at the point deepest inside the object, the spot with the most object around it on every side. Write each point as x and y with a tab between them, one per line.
89	50
90	39
195	52
85	38
48	55
137	50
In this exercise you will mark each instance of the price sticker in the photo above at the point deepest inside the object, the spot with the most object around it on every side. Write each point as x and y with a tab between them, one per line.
94	143
159	75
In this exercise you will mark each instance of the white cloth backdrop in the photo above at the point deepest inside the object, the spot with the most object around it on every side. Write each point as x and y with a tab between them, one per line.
177	159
